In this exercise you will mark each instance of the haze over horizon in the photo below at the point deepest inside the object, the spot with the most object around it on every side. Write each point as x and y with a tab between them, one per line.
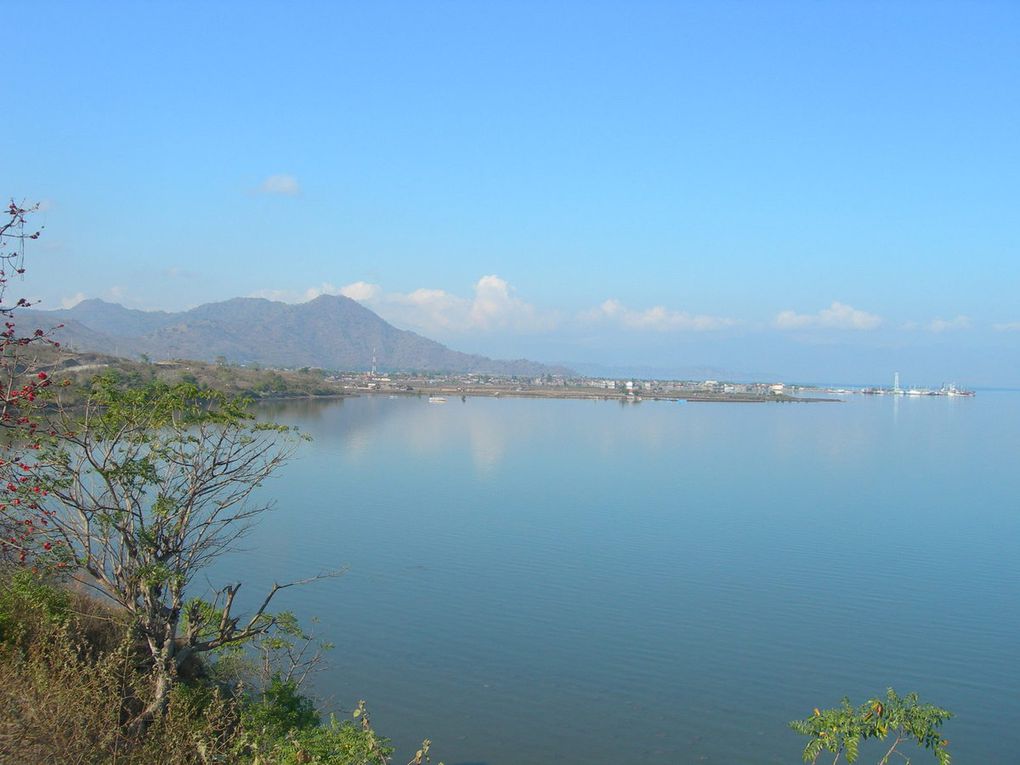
812	192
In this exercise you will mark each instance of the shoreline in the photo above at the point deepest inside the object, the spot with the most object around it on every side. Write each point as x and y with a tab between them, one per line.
591	395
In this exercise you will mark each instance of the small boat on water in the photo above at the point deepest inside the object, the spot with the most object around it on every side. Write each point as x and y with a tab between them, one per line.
437	400
952	390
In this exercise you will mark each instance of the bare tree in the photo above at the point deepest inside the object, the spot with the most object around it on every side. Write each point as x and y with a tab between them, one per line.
21	384
13	394
144	487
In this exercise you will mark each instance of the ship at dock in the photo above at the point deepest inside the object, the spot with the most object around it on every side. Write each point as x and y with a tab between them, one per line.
946	390
952	390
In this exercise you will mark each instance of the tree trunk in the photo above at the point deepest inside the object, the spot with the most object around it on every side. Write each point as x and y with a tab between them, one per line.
164	667
160	697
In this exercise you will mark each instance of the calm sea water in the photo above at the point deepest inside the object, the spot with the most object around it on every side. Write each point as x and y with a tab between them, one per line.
585	582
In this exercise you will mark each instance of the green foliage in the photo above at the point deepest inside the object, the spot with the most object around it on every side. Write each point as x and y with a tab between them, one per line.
843	729
158	404
336	743
75	679
280	725
273	383
26	598
75	682
160	472
200	617
231	379
278	710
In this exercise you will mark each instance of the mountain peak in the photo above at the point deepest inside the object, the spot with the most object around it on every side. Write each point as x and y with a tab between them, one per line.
328	331
327	299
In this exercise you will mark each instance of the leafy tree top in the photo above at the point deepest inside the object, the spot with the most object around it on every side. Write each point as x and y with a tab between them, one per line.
904	718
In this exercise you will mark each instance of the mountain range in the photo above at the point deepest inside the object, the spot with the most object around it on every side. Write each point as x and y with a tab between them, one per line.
330	332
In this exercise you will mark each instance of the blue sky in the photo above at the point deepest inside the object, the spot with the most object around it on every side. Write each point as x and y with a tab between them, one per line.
807	190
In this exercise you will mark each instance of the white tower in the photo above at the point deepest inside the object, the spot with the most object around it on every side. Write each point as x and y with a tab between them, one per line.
896	383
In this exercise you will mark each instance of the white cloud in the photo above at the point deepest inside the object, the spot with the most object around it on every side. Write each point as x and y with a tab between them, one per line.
494	305
837	316
363	292
945	325
1009	326
286	185
656	318
427	309
282	296
323	289
298	296
71	302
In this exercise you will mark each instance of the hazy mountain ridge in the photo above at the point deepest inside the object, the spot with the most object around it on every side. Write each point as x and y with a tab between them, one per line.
331	332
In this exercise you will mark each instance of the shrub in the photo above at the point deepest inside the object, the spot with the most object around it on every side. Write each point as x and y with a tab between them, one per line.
28	604
70	678
73	677
277	710
338	743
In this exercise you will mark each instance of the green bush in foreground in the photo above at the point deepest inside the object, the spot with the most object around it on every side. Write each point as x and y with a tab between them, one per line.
73	678
25	596
279	725
904	718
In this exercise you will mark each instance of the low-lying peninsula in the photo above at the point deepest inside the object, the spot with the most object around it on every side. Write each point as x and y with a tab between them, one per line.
257	382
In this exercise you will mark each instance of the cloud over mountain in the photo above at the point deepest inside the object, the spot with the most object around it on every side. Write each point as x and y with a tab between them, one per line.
494	305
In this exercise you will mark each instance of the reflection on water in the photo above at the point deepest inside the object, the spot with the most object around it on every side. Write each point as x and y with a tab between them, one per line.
578	582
